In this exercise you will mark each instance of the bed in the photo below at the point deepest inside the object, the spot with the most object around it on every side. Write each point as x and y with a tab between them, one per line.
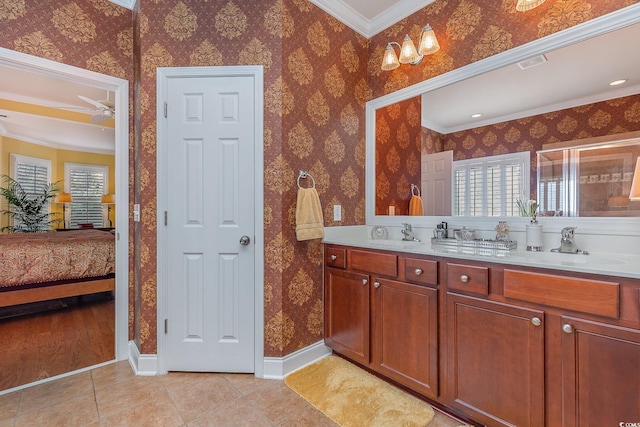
43	266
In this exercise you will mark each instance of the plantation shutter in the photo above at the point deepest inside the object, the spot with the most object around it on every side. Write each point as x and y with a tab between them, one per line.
87	184
490	186
31	177
33	174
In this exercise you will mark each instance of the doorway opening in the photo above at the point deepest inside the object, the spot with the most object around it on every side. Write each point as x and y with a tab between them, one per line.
31	65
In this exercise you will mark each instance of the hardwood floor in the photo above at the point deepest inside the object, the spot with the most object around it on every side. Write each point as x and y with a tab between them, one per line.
58	340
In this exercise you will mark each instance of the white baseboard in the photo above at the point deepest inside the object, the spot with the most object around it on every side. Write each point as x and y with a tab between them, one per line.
276	368
144	365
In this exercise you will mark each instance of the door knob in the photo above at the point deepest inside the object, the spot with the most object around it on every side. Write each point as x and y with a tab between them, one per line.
245	240
376	284
536	321
567	328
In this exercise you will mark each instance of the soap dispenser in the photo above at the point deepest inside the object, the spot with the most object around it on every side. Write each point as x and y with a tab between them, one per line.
534	235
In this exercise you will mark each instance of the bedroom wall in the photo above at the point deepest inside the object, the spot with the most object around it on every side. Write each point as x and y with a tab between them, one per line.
58	158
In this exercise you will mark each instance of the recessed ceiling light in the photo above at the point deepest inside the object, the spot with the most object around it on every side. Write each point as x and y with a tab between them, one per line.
618	82
476	115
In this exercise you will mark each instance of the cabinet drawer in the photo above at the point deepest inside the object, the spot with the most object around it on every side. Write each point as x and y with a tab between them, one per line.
572	293
468	278
334	257
421	271
374	262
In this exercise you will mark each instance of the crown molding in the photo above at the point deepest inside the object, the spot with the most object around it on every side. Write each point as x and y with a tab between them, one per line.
572	103
345	14
394	14
129	4
369	27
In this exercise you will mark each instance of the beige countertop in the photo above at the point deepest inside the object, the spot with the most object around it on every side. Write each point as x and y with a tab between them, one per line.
610	264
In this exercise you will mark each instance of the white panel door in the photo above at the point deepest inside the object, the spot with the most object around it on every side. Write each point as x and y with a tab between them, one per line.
210	293
436	183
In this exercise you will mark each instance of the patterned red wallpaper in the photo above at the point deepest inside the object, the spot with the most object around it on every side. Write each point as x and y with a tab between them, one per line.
530	134
469	31
398	145
318	75
314	120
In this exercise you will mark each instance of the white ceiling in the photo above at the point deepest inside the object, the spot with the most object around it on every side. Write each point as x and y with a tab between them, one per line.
45	90
575	75
369	17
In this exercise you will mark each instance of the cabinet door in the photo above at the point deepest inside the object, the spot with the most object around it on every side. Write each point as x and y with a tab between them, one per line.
600	374
346	313
405	334
495	361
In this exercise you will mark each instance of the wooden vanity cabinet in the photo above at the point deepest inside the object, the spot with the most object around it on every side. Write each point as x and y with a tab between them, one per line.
404	326
520	346
495	360
535	347
382	312
600	373
346	313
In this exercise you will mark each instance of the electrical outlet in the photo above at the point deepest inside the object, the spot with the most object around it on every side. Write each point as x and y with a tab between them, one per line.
136	212
337	212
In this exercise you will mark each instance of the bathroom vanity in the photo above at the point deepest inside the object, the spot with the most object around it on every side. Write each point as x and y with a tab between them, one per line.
522	339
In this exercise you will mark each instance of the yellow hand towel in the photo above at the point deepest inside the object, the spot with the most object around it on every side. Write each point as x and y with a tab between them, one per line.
415	206
309	222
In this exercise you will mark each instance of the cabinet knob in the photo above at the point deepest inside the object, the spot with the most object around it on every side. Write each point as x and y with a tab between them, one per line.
334	257
418	271
365	281
464	278
567	328
536	321
376	284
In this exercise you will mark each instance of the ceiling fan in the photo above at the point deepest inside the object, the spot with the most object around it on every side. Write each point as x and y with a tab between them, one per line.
104	109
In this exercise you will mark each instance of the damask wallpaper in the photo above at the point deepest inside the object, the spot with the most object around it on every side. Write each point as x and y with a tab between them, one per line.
469	30
315	89
318	75
530	134
398	152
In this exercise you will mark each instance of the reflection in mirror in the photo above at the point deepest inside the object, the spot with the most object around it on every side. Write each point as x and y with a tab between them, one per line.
403	138
589	179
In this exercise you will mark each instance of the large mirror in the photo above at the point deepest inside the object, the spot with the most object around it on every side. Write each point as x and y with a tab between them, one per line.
529	97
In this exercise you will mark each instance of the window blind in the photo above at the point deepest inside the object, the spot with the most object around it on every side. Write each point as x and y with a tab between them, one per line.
86	184
33	174
490	186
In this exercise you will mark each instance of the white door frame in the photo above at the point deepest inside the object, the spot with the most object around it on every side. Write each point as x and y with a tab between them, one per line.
120	87
163	76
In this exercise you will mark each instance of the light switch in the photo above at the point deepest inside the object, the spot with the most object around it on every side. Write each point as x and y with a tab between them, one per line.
136	212
337	212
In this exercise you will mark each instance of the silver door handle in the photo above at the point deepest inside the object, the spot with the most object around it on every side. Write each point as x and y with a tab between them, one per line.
245	240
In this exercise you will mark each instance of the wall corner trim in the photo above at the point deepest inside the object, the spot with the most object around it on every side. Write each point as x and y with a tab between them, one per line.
144	365
276	368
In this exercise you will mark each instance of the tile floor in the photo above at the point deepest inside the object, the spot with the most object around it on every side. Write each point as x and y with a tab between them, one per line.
112	396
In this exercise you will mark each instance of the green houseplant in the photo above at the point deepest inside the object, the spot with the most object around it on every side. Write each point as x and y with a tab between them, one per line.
28	210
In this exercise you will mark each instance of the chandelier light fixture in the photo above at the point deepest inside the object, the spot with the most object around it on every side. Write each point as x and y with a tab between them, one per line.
427	45
524	5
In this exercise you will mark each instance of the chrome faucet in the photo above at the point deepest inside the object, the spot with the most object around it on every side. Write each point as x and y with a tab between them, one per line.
567	242
408	233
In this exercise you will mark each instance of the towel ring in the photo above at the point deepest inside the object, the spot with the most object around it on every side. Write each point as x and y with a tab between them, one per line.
415	188
304	175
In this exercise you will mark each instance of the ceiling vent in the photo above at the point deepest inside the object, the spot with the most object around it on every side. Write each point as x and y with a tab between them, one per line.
532	62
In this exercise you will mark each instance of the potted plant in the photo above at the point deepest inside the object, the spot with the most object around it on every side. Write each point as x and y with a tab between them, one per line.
28	210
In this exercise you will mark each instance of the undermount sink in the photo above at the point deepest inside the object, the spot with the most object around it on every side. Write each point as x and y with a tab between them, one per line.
394	243
566	259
